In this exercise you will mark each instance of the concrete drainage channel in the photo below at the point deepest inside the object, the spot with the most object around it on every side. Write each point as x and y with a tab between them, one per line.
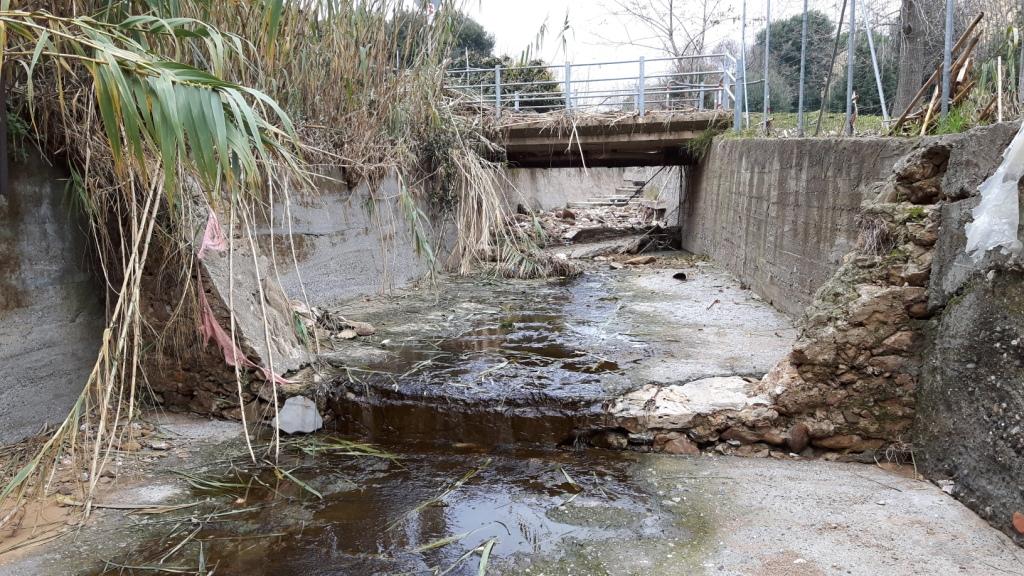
538	424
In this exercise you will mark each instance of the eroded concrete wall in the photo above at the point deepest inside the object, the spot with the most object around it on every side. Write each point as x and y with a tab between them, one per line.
347	243
781	213
970	401
51	314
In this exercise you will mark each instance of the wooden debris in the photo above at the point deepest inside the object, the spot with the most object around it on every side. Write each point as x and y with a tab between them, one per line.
960	89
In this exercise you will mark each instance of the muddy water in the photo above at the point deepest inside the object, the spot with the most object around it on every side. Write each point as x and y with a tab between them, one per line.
500	365
420	512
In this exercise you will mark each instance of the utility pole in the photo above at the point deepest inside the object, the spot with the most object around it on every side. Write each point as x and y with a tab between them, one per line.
947	60
767	44
851	46
803	68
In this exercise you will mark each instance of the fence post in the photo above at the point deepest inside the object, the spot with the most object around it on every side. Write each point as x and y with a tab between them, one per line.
568	86
878	73
517	101
641	96
803	74
767	48
851	50
497	90
947	58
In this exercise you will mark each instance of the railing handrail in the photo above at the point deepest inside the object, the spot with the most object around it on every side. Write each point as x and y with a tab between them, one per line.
584	91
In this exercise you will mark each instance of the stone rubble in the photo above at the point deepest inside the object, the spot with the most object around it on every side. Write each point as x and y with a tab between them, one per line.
299	415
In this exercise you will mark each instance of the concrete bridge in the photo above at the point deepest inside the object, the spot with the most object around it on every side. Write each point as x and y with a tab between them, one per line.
656	139
627	113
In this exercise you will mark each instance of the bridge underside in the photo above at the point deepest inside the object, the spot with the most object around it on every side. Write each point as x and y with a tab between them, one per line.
658	139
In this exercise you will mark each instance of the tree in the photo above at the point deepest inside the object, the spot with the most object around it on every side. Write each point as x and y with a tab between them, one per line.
471	38
784	65
541	95
864	79
675	28
468	37
921	41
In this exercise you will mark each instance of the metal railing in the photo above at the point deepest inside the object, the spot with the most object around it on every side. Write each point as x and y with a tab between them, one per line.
684	83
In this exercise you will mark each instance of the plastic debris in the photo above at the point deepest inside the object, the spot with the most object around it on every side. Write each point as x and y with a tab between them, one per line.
997	216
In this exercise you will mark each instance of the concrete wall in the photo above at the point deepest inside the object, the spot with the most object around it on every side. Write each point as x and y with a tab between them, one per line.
349	242
780	214
551	188
51	314
542	189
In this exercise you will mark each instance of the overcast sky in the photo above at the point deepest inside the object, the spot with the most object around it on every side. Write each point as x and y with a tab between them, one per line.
596	34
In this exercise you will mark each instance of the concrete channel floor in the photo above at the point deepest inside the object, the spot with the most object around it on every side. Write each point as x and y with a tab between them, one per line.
638	514
556	512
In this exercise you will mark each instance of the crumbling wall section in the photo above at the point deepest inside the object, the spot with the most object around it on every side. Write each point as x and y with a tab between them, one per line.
341	242
969	428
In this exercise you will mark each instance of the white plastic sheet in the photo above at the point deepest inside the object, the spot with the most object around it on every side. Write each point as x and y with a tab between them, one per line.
997	216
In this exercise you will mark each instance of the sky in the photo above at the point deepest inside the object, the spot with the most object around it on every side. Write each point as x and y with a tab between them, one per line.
596	34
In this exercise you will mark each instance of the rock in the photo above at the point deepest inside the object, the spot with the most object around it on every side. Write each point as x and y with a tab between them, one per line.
363	328
798	438
610	440
753	450
131	446
679	276
159	445
676	407
681	445
299	415
347	334
741	436
925	191
615	265
891	363
841	442
919	311
252	412
1018	522
640	260
901	341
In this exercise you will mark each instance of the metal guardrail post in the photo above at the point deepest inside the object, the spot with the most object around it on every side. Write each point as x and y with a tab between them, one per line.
497	90
568	86
641	96
517	101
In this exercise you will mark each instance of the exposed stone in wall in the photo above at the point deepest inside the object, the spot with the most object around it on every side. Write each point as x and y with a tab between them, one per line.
851	378
849	383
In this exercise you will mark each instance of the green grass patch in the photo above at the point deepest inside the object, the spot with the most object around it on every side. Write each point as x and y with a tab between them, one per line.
783	124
